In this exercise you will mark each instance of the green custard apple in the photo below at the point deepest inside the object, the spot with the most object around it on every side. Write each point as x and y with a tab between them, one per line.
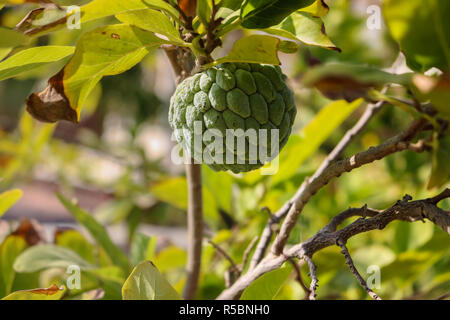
252	100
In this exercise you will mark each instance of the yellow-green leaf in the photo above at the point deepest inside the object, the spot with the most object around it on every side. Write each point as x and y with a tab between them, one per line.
268	285
146	283
10	249
303	145
174	192
254	49
32	58
304	27
8	199
45	256
52	293
105	51
98	232
152	20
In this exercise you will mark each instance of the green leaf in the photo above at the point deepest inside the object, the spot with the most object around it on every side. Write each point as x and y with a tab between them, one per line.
8	199
433	89
268	285
146	283
98	232
10	38
204	11
421	29
301	146
103	8
304	27
409	236
10	249
73	240
174	192
46	256
32	58
171	258
142	248
440	172
257	14
372	255
254	49
102	52
220	185
152	20
51	293
349	81
318	9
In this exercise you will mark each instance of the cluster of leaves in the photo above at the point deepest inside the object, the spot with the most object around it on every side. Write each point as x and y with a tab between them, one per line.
116	36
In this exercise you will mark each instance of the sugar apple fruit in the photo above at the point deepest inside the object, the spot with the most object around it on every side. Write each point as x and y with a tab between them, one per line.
233	96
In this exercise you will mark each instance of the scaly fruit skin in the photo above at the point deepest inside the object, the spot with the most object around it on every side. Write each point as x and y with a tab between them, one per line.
232	96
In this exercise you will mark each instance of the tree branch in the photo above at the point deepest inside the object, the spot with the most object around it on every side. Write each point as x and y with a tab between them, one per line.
180	60
353	269
397	143
266	237
328	236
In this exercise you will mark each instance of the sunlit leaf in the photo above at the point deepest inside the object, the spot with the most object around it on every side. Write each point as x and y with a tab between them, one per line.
102	8
32	58
47	256
8	199
254	49
409	236
151	20
102	52
98	232
421	29
52	293
304	27
10	249
318	9
174	192
268	285
75	241
170	258
146	283
142	248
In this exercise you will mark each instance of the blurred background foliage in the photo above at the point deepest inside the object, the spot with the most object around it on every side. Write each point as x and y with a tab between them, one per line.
116	163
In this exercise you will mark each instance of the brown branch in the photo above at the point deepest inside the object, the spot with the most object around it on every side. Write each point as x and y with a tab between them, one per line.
234	268
298	277
310	187
266	237
314	280
247	251
195	228
182	67
404	210
353	269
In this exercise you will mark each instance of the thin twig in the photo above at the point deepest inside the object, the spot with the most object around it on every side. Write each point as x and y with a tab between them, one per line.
314	280
227	257
247	253
353	269
299	278
310	187
402	210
